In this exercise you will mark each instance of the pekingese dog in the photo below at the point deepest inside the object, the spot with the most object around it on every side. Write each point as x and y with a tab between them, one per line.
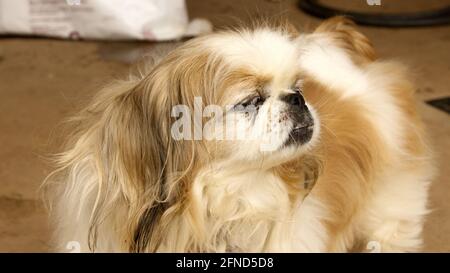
316	146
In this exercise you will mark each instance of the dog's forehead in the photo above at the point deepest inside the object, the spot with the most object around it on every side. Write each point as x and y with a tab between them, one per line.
265	52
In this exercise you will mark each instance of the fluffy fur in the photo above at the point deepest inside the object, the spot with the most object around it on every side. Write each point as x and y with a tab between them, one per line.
124	184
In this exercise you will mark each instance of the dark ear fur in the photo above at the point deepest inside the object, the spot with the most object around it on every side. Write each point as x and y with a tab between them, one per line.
130	158
178	79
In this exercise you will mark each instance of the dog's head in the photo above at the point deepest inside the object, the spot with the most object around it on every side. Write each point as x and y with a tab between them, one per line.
239	95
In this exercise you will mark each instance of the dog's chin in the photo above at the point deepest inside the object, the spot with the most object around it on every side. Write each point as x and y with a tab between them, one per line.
304	134
301	139
302	130
300	135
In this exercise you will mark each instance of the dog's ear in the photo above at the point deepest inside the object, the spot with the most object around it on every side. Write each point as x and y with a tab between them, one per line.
124	161
344	33
177	80
114	165
130	150
290	29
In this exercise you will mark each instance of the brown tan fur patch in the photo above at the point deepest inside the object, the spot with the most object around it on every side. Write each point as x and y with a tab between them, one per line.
343	31
349	151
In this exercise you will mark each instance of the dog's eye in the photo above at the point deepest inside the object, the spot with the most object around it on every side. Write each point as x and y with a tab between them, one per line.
257	101
254	101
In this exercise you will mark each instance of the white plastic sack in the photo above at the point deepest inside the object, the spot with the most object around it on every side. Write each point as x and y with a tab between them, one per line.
154	20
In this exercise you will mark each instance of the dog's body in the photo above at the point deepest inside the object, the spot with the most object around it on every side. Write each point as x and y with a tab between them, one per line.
127	186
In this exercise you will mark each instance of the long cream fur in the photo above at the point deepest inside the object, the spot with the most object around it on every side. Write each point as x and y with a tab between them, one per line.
123	184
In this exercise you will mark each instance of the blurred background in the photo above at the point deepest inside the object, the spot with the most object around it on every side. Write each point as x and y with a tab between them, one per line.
45	79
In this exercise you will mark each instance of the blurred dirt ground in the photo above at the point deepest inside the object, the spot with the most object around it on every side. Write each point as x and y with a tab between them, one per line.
42	81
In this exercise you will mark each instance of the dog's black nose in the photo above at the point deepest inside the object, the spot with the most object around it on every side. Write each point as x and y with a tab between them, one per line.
294	100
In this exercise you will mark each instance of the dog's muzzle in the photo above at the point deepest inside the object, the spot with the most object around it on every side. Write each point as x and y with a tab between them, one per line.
303	122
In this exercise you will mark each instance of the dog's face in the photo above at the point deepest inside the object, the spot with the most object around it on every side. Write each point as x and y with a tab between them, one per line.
266	118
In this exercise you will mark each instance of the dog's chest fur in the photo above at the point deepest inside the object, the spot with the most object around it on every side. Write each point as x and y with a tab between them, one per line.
251	211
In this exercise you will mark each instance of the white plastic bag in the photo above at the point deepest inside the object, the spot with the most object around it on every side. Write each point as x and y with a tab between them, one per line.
154	20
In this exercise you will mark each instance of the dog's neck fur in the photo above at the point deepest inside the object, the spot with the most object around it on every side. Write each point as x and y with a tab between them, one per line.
249	211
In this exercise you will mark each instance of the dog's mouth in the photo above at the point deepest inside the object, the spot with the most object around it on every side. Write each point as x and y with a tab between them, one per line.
301	134
303	129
